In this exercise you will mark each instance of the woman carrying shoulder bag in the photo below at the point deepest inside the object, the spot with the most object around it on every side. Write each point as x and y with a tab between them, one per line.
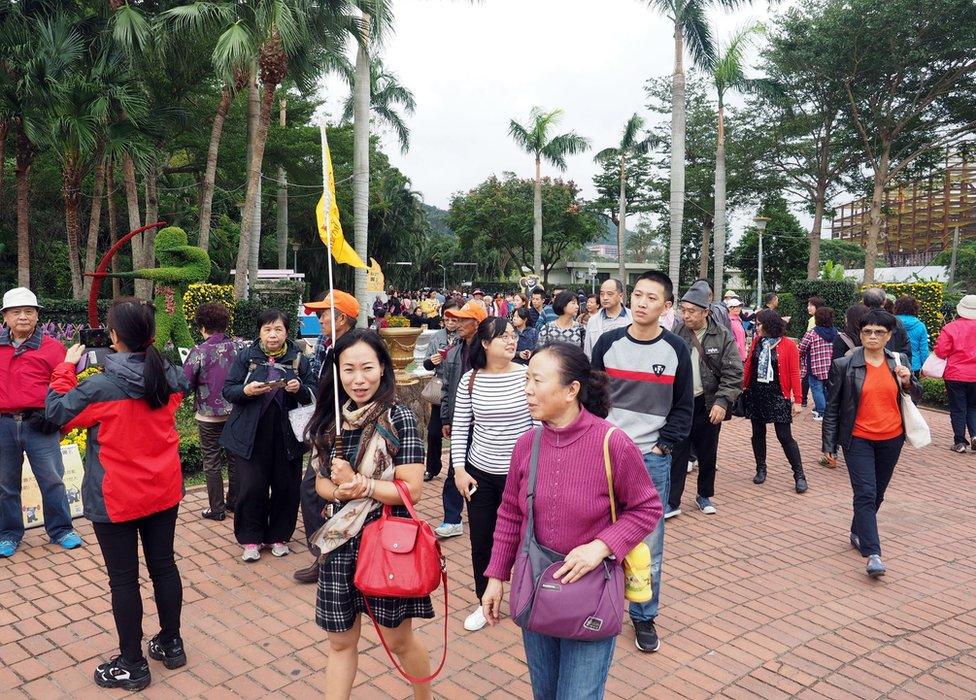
864	416
133	483
490	414
380	443
572	401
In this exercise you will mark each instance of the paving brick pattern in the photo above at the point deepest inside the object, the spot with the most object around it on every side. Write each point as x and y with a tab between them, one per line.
766	599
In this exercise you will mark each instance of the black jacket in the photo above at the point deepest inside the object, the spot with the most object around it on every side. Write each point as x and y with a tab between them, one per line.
844	396
722	354
242	424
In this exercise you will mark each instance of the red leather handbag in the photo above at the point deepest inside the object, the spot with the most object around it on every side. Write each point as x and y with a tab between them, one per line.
400	558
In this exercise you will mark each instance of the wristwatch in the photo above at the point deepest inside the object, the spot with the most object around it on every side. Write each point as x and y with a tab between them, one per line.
665	449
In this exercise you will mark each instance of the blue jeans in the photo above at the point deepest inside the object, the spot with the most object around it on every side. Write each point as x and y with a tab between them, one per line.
566	669
962	409
659	467
44	453
871	464
451	497
819	395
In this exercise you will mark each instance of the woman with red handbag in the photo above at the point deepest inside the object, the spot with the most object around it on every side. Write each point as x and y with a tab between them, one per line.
380	444
572	401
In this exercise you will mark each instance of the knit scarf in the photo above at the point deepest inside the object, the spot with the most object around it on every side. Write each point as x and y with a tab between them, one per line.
374	459
276	354
765	370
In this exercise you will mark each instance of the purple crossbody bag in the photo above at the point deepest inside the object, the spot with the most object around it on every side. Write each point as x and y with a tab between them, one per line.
589	609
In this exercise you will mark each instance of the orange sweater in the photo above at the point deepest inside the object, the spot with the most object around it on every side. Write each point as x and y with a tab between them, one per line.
878	414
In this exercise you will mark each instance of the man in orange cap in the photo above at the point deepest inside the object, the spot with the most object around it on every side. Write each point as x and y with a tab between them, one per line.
457	362
346	312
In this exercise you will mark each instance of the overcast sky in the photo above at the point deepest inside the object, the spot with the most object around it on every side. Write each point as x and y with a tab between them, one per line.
473	67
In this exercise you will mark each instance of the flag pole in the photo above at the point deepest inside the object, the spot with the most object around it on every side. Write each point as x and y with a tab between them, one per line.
327	197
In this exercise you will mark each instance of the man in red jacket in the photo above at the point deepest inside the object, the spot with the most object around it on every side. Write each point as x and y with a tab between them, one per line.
27	359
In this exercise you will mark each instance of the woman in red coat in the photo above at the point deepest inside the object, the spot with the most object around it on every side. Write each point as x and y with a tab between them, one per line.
771	393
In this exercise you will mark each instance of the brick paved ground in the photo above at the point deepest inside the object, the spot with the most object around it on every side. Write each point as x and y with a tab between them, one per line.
765	599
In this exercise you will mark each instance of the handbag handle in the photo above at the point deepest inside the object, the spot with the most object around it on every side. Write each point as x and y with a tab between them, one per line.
609	470
401	487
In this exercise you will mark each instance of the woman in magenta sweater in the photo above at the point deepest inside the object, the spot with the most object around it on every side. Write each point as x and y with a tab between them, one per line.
571	400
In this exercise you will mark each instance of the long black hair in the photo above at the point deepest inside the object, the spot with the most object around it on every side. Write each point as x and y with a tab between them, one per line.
594	393
321	428
489	329
134	323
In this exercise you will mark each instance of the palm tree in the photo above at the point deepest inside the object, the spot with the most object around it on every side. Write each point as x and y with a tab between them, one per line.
386	94
728	74
630	146
535	139
689	21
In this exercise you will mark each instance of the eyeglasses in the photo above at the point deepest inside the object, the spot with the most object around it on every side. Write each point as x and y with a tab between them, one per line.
874	332
507	336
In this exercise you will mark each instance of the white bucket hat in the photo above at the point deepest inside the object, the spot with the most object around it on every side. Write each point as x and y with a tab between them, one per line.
967	307
20	296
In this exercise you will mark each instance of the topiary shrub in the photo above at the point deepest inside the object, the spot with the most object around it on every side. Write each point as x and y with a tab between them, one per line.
840	295
929	296
934	392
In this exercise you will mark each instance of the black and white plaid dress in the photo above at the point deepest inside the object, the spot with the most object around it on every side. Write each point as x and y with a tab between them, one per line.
337	602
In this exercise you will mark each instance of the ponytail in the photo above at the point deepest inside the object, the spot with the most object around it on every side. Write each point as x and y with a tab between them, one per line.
594	393
134	323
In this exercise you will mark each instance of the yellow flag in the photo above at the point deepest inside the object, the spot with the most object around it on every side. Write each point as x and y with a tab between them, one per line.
341	250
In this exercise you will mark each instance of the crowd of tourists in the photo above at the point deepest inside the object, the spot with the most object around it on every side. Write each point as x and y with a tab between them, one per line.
553	402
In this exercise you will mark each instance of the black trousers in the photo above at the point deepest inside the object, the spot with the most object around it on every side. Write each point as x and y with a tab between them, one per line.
482	514
870	463
311	504
784	434
962	409
703	439
214	459
120	549
262	517
435	440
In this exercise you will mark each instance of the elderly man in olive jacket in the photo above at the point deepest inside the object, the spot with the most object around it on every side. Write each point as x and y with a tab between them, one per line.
717	379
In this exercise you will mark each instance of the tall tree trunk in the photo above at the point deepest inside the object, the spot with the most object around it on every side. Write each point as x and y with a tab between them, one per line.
719	255
132	207
210	171
25	159
144	288
813	262
706	244
254	118
3	157
537	218
360	166
253	192
94	222
113	231
677	157
622	224
282	226
70	186
874	228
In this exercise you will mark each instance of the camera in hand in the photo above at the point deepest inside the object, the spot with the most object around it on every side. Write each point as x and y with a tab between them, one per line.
95	338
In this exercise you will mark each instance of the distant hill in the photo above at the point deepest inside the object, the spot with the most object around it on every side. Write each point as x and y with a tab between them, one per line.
438	220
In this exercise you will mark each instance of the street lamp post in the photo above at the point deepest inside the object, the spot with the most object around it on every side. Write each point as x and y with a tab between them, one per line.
295	245
760	222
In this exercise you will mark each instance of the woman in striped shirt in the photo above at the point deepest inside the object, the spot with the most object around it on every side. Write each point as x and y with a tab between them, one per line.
490	414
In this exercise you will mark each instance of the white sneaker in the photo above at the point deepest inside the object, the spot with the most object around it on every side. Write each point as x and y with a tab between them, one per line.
251	552
818	417
280	549
476	620
692	463
446	530
668	514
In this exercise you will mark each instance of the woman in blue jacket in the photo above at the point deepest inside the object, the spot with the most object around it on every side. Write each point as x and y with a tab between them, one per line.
906	309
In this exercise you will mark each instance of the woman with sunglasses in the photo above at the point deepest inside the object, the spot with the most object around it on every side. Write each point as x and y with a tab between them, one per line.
863	416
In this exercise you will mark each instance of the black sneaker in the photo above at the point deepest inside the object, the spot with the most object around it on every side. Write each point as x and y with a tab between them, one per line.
171	654
211	515
647	639
118	674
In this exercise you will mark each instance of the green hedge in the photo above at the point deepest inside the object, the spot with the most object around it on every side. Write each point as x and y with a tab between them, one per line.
284	295
929	296
934	392
71	310
840	295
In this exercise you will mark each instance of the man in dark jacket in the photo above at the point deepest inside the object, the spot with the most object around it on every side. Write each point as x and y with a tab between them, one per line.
457	362
717	381
874	298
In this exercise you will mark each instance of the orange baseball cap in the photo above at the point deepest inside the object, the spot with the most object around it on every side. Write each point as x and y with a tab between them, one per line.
344	304
469	310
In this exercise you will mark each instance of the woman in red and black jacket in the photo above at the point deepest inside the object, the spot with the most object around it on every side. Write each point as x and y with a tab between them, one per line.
772	392
133	483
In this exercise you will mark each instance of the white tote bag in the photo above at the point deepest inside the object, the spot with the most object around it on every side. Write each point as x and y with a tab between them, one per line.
299	419
917	431
934	366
